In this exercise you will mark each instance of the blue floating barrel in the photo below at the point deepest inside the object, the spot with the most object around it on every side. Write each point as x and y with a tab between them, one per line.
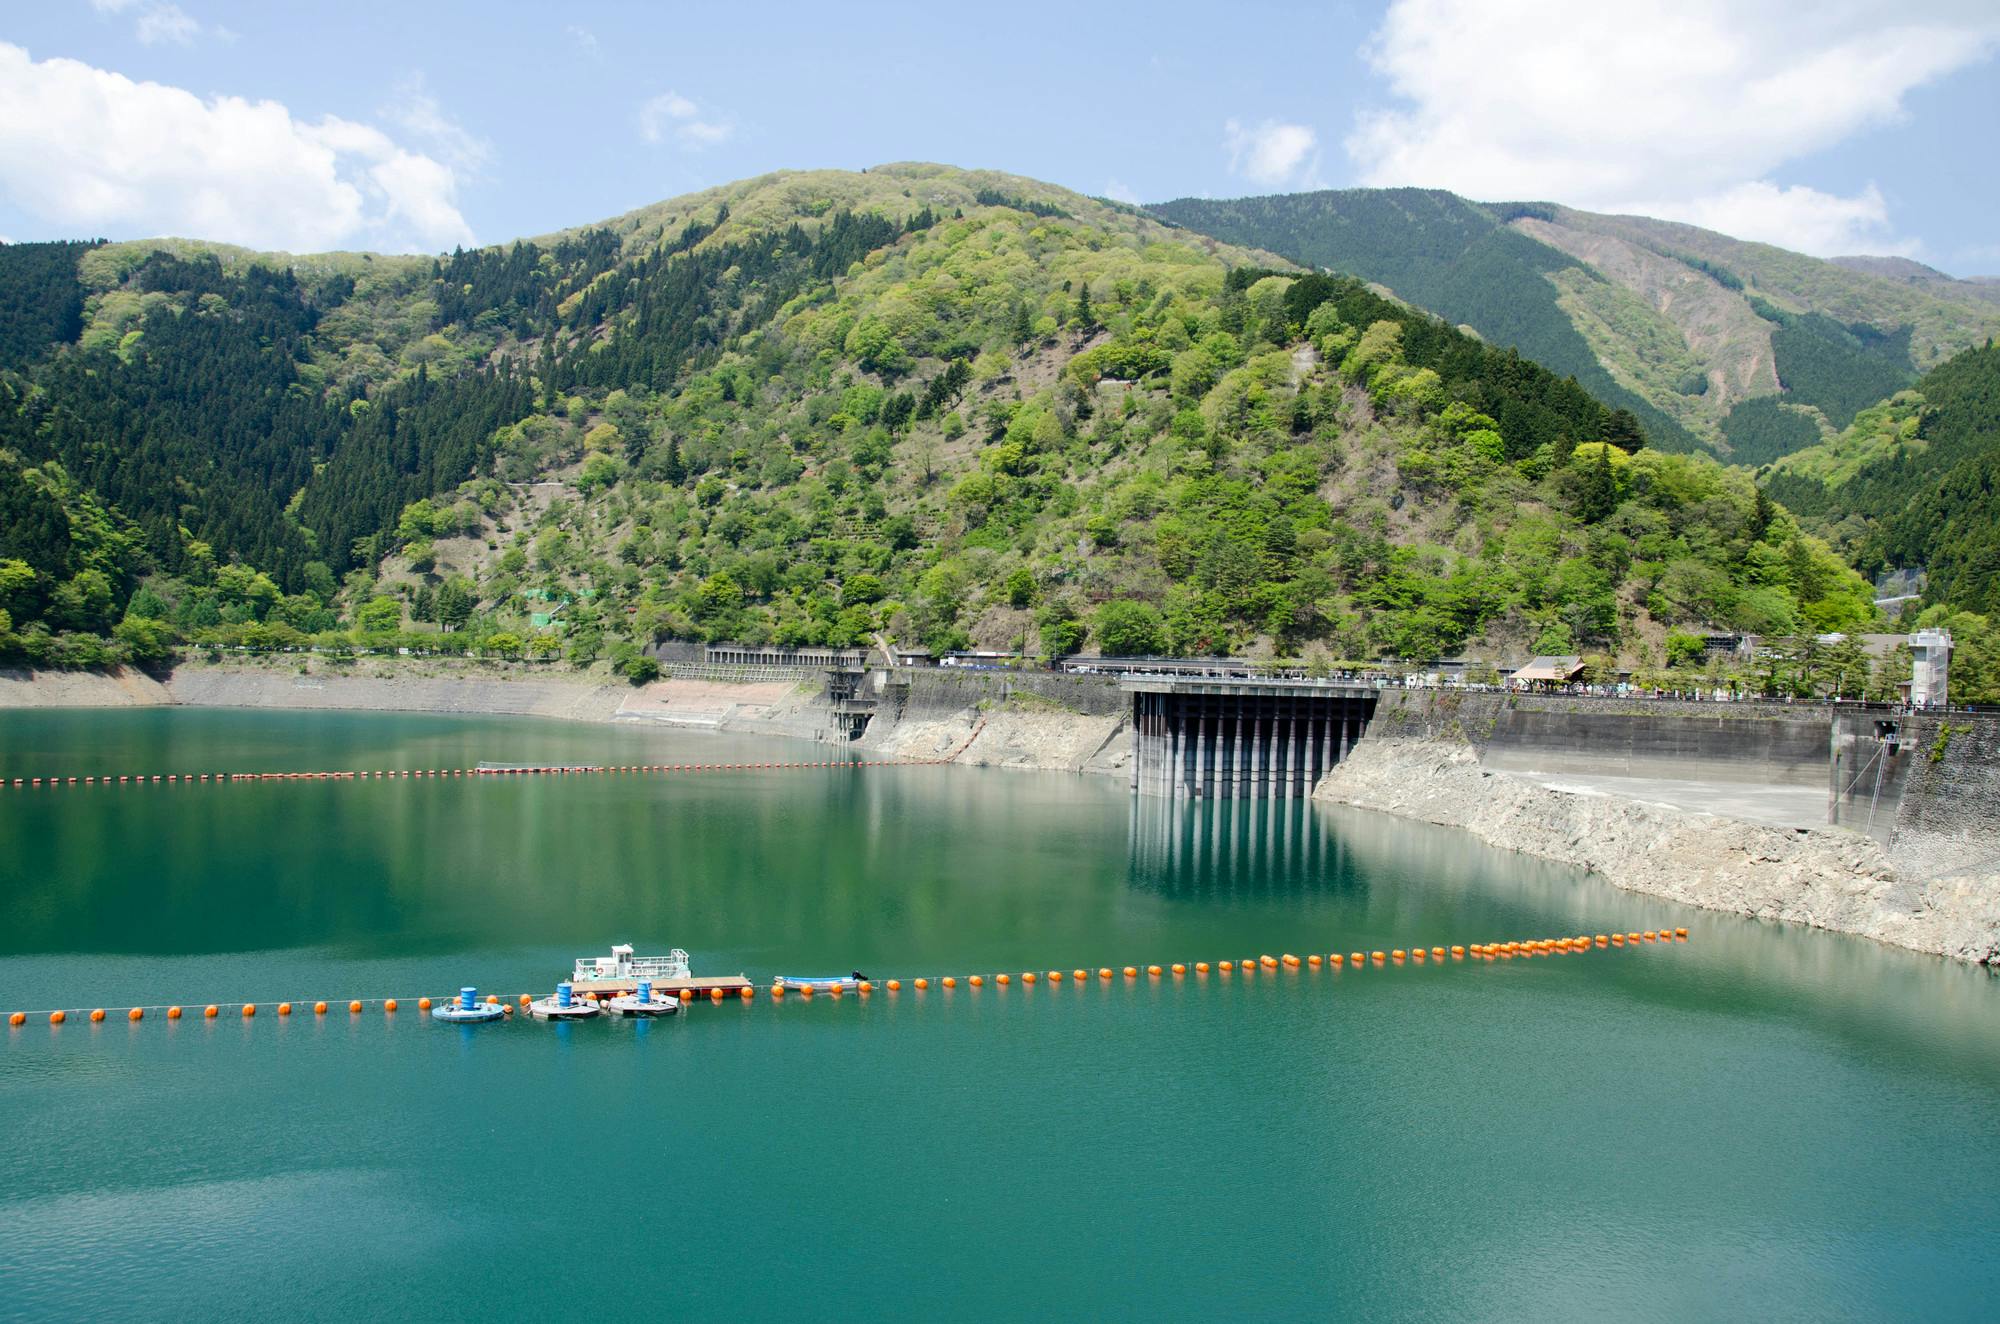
562	995
645	990
467	997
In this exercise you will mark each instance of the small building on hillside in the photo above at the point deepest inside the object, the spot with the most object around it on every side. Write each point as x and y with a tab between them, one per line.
1548	672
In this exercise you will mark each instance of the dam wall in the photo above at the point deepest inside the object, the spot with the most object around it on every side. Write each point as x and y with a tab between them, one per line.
1761	743
1926	785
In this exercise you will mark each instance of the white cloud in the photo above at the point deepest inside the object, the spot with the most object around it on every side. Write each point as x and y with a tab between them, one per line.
1678	108
1796	217
1272	154
157	21
672	115
96	152
585	39
418	111
1119	191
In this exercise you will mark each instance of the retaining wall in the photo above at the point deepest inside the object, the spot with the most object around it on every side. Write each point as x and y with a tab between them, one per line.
1762	743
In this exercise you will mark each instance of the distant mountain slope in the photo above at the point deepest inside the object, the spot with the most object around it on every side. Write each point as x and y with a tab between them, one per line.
1915	482
1746	349
1440	252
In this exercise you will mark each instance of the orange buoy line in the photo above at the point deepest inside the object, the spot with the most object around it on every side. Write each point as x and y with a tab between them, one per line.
1054	980
379	774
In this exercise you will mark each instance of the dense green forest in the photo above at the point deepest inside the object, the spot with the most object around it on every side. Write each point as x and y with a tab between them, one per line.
41	299
1920	483
1692	331
958	407
1442	253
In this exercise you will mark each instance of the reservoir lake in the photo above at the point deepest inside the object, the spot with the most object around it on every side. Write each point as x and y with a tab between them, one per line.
1764	1122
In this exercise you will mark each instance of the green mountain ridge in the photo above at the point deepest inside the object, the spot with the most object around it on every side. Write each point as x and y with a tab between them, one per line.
958	406
1743	349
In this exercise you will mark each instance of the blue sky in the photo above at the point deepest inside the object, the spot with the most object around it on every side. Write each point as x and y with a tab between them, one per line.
420	125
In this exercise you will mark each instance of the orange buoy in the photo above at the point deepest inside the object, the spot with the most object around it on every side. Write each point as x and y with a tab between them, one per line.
746	993
1153	971
1289	959
1680	933
1617	940
951	981
1201	967
1418	953
1225	966
715	994
895	986
1028	978
284	1008
1458	953
833	990
97	1015
1397	954
1055	976
806	992
1334	959
249	1010
210	1011
1312	959
999	979
1104	972
867	986
173	1013
56	1018
778	992
319	1009
525	1000
1079	975
355	1005
1179	969
136	1014
1131	972
923	983
977	981
389	1005
492	1000
18	1018
1437	953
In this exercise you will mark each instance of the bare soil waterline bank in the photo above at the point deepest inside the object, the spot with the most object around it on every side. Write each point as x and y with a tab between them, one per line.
1827	878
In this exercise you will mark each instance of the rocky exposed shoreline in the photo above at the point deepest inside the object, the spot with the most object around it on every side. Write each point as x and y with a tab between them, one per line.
1827	878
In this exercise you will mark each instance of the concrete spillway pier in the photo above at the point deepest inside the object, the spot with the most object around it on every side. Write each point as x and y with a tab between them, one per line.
1241	739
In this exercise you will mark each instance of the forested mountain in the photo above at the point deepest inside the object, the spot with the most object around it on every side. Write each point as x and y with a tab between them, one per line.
960	407
1915	482
1742	349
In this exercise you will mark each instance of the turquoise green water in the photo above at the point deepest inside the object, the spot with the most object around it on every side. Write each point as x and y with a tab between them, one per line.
1764	1123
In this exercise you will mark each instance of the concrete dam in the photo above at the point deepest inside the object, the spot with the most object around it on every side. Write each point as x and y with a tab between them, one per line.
1213	739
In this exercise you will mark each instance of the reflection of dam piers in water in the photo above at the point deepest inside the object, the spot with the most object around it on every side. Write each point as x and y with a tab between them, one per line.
1241	739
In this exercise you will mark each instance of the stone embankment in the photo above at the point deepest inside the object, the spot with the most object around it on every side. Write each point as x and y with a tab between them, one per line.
1828	878
1029	721
1037	722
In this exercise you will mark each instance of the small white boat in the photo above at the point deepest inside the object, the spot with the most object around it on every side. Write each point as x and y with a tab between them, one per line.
563	1006
643	1003
467	1009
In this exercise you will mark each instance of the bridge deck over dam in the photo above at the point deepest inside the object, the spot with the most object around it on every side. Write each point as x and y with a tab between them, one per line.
1239	739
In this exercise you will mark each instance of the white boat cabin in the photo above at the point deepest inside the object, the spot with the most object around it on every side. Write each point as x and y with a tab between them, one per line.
622	965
